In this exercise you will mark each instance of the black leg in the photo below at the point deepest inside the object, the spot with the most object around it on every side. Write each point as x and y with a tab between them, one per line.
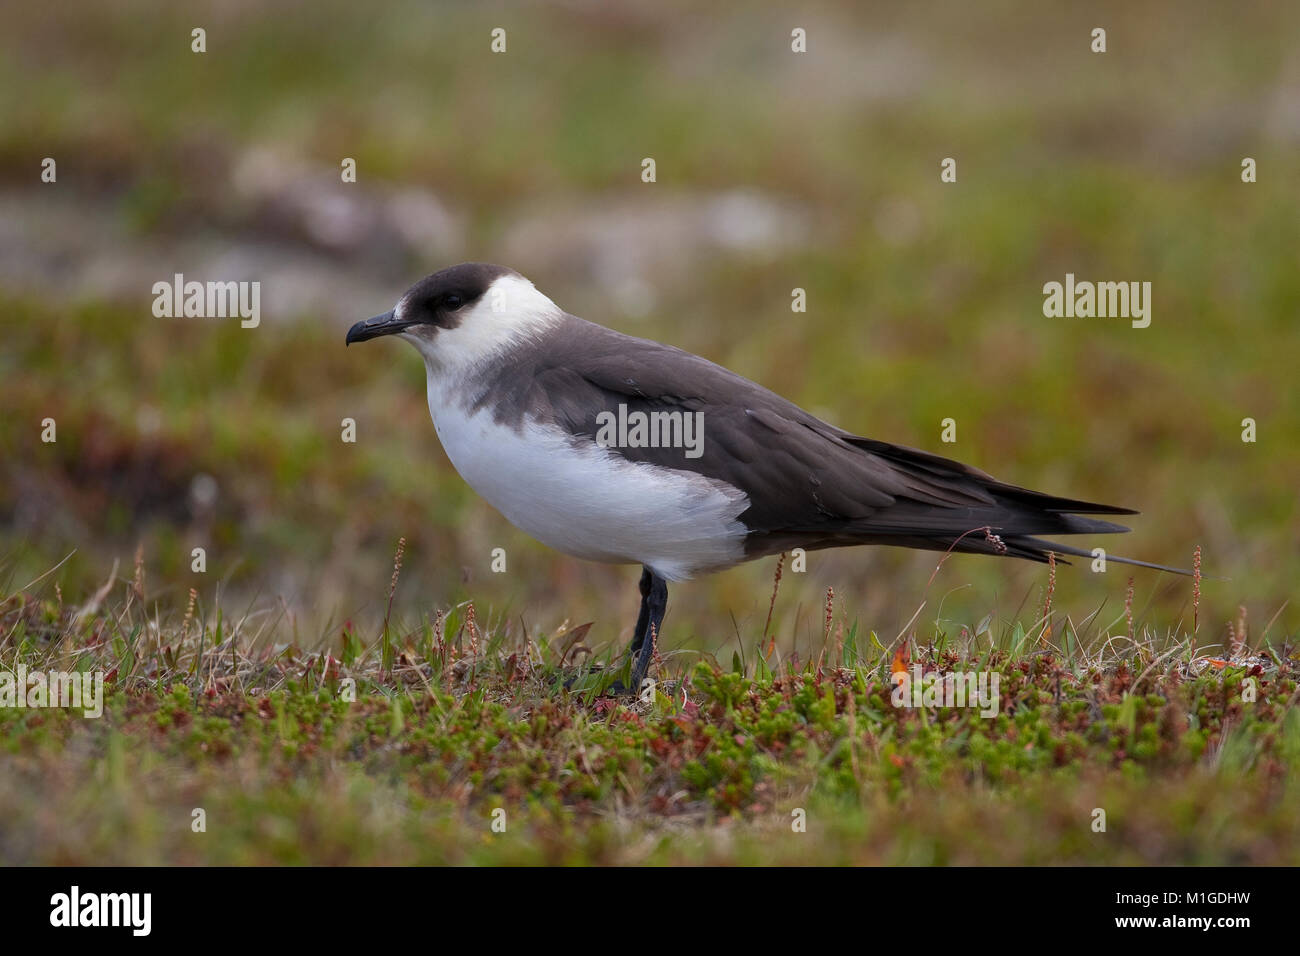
653	607
654	603
639	634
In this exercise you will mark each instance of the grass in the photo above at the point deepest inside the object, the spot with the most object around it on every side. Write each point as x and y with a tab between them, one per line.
407	747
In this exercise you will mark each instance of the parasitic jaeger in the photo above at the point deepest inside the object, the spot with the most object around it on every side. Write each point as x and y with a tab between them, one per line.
555	420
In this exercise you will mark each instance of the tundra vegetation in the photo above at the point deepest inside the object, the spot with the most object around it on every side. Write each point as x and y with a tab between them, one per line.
456	740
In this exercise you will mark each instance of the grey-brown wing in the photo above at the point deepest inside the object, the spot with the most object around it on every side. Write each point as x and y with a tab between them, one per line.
800	473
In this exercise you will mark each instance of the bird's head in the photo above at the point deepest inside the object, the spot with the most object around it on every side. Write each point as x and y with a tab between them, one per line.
462	315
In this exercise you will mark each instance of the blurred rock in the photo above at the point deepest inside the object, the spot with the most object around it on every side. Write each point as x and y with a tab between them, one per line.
374	221
632	246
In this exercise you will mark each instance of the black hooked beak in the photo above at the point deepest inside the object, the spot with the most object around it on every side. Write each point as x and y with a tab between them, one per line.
385	324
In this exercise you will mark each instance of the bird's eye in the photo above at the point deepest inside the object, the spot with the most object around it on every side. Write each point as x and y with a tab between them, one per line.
452	301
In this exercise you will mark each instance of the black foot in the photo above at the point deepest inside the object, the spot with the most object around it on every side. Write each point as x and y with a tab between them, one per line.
654	603
615	689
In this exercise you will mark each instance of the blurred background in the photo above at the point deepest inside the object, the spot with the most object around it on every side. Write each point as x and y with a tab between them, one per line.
775	170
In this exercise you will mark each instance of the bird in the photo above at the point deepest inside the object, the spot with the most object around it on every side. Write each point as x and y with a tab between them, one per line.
624	450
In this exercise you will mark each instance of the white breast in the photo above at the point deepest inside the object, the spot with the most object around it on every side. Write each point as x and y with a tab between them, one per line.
591	503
